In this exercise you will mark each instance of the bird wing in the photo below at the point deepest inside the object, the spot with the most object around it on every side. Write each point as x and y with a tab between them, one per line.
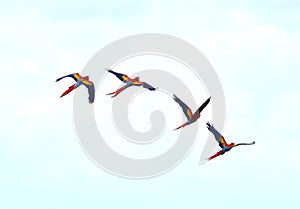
187	111
121	76
137	83
244	144
222	142
148	86
203	105
220	139
91	89
75	76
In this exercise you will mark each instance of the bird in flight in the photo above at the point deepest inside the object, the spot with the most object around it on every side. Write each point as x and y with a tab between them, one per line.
222	143
188	112
80	80
129	82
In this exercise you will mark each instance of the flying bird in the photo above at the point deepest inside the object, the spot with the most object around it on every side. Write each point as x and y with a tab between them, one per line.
222	143
80	80
188	112
129	82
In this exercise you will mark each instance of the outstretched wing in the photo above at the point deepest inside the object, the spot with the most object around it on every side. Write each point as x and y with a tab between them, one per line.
239	144
75	76
91	89
148	86
121	76
220	139
203	105
187	111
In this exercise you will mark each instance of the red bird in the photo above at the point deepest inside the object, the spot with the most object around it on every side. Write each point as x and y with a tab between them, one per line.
188	112
80	80
222	143
129	82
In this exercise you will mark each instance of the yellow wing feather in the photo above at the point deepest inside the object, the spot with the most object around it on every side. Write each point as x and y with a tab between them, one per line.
137	83
223	142
87	82
125	78
190	114
77	76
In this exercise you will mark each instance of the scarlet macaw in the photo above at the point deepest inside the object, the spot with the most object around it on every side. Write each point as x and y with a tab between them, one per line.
188	112
80	80
129	82
222	143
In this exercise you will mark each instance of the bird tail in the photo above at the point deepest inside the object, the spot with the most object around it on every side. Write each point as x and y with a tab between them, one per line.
183	125
71	88
111	93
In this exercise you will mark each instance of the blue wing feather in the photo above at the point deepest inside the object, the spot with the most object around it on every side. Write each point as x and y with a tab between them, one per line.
121	76
187	111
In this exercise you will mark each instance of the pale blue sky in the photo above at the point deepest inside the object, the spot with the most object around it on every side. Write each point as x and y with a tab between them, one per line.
255	50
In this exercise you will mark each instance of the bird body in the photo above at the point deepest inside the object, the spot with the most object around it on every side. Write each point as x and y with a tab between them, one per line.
225	147
129	82
191	117
80	80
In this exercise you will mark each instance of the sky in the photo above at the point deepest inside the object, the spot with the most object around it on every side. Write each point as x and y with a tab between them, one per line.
254	48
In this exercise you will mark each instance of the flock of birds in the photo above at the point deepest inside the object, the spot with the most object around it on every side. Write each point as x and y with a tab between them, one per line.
191	117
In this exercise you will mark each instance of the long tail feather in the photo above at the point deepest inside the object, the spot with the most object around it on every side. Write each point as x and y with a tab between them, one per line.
183	125
111	93
71	88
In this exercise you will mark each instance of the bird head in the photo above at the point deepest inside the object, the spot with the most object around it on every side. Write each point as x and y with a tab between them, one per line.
231	144
137	78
